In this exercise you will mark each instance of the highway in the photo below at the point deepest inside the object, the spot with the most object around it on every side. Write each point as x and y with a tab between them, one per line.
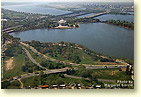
11	29
53	71
104	66
96	15
36	74
47	71
21	83
73	64
33	60
105	80
74	14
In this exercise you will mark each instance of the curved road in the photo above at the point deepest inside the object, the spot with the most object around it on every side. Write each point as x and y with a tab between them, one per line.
47	71
33	60
21	83
105	80
73	64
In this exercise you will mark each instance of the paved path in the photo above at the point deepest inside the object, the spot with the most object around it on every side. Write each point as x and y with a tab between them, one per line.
96	15
33	60
47	71
73	64
21	83
36	74
105	80
11	29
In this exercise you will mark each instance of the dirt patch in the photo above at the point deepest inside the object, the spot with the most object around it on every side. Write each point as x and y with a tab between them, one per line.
114	72
83	57
132	76
9	64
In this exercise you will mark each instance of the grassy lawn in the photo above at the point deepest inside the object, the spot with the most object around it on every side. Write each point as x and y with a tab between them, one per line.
28	82
18	62
85	59
67	53
41	60
52	79
38	58
113	74
10	85
14	85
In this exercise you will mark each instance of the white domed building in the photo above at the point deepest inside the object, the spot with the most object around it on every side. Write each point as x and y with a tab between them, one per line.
61	22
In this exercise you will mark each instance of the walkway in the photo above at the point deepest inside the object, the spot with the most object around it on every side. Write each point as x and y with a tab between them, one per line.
33	60
11	29
104	80
73	64
21	83
96	15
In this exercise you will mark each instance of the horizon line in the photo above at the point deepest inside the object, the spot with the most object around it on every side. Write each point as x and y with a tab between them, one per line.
68	1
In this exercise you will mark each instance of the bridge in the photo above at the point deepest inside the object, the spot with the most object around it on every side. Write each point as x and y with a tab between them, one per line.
11	29
96	15
53	71
74	14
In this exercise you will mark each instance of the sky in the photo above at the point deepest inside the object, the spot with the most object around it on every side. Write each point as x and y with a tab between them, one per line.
67	0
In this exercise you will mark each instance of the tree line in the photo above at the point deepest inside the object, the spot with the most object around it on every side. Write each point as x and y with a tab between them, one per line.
126	24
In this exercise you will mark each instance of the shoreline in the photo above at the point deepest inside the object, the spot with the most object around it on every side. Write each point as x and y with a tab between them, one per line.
120	26
65	27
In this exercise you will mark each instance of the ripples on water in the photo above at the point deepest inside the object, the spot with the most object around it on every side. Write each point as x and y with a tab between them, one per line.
103	38
34	8
129	18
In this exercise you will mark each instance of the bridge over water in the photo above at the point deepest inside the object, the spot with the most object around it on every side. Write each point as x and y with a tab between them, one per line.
11	29
74	14
96	15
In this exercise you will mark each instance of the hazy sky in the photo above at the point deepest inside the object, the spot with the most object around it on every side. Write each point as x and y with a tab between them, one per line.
67	0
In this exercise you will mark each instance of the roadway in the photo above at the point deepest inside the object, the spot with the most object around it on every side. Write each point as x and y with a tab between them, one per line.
10	29
47	71
53	71
36	74
21	83
76	77
73	64
74	14
96	15
33	60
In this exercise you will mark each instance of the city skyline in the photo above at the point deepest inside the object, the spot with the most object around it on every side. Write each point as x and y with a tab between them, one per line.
68	1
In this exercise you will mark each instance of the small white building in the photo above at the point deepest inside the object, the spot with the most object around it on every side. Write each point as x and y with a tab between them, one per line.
61	22
3	19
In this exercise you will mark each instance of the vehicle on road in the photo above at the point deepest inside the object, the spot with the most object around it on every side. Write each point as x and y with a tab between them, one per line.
19	77
105	67
10	79
36	72
15	78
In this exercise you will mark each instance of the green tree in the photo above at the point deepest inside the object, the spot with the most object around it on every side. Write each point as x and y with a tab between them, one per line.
5	84
127	69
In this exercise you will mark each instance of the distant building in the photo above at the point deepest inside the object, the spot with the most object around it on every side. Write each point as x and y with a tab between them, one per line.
3	19
98	86
61	22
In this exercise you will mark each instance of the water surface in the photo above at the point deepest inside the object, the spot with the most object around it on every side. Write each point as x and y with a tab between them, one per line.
129	18
34	8
103	38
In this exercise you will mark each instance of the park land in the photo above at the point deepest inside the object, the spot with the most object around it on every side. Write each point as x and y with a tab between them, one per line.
61	65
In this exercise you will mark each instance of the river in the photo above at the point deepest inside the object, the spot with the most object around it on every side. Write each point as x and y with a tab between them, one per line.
129	18
35	8
102	38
